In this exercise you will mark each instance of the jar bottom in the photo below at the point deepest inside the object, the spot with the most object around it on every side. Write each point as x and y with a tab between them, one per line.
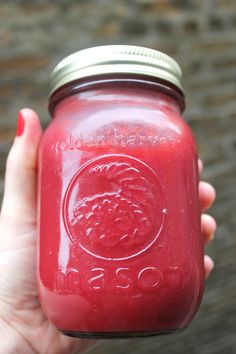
113	335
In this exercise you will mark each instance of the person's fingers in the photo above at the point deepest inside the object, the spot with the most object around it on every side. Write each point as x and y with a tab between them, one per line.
207	192
208	265
208	227
207	195
19	201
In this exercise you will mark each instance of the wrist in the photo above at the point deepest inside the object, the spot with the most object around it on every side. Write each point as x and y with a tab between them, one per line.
11	341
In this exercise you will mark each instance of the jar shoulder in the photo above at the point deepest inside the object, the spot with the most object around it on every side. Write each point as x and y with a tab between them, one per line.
89	119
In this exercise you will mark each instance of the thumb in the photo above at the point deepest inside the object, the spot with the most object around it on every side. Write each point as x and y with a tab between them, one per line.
19	200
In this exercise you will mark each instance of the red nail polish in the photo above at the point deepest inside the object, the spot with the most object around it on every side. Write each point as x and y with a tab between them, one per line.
20	125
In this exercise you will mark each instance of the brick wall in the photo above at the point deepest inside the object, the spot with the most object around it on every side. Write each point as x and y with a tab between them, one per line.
201	35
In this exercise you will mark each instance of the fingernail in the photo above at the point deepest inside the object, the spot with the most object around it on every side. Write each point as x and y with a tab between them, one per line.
212	236
209	272
209	265
20	125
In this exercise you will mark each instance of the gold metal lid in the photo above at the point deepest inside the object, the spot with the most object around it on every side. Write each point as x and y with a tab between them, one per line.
110	59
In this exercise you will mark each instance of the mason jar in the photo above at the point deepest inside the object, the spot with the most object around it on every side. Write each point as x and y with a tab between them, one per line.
120	250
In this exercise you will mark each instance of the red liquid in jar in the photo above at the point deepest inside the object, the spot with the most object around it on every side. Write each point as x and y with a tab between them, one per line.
120	244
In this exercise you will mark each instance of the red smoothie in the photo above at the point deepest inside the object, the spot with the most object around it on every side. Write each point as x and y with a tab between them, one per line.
120	247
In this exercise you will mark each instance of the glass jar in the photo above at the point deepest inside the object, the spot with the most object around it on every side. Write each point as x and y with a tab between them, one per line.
120	248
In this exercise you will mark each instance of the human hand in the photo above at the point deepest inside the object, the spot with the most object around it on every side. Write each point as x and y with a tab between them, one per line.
23	326
22	322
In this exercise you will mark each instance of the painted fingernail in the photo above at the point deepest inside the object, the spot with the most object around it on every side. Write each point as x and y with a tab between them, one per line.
20	125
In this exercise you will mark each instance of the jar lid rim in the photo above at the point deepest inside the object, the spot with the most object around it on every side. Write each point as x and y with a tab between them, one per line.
111	59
